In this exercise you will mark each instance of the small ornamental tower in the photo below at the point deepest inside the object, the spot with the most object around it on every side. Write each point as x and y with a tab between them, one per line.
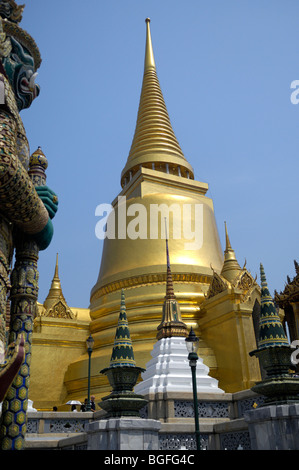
231	268
274	353
38	164
122	353
271	332
55	304
168	370
122	373
172	323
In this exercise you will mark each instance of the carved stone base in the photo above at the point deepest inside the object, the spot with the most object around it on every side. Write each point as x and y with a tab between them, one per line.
123	434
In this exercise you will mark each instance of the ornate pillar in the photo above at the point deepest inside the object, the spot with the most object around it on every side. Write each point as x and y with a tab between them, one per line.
23	297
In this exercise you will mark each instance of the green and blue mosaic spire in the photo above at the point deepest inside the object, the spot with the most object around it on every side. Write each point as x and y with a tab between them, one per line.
279	386
271	331
122	352
122	373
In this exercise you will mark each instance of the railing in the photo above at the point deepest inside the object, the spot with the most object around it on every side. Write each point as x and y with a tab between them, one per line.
221	423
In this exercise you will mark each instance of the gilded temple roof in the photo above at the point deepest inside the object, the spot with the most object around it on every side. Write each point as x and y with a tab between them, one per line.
232	275
291	290
55	304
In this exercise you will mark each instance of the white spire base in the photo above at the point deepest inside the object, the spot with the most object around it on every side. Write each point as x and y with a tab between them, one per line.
169	370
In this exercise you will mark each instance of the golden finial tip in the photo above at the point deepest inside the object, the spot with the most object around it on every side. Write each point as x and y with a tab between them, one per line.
147	20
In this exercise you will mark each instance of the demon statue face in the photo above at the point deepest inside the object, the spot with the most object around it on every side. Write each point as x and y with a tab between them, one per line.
19	54
19	68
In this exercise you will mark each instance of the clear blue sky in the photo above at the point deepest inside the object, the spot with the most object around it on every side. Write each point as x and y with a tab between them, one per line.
225	69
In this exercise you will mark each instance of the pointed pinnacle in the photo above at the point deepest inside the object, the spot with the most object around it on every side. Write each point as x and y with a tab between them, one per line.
263	276
56	275
149	61
231	267
227	241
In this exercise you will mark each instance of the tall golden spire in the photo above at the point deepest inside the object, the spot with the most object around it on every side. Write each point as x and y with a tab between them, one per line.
231	267
55	292
154	143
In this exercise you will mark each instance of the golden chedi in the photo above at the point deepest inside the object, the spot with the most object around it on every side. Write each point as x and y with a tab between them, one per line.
59	338
229	319
158	186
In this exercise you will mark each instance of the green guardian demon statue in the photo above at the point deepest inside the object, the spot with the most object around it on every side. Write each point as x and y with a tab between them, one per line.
27	206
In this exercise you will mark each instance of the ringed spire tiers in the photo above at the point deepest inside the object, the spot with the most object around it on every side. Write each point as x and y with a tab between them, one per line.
122	353
279	386
271	332
154	144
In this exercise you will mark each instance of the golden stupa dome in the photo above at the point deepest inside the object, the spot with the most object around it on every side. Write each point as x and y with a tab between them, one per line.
156	176
128	257
157	173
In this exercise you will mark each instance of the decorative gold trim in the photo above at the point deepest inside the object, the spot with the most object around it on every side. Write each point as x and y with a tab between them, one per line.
147	279
244	281
58	342
217	286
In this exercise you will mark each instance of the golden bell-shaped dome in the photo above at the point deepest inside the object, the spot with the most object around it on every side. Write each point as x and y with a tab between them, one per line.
156	176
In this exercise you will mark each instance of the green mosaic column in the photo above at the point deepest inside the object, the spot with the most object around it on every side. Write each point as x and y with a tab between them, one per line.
23	297
23	308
